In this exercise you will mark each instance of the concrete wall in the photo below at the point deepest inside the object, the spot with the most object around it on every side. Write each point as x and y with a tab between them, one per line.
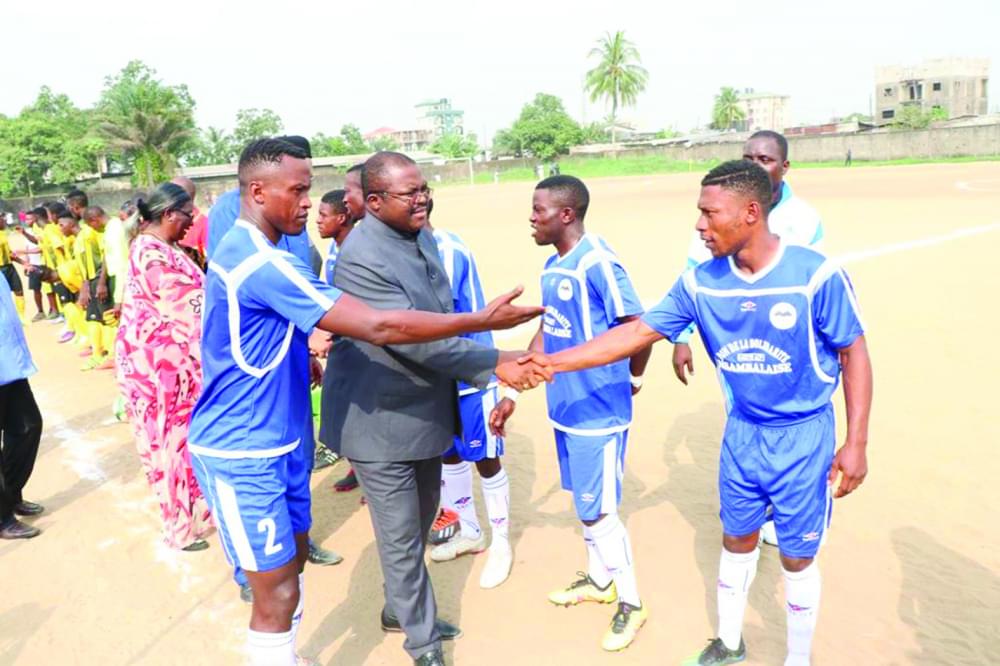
109	193
980	140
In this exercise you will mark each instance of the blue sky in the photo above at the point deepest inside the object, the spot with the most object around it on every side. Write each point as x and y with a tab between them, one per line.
368	64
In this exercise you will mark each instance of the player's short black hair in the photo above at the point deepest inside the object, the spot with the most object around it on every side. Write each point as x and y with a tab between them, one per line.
299	141
40	213
335	198
266	151
93	212
359	167
76	196
165	198
375	173
743	176
570	191
55	209
778	138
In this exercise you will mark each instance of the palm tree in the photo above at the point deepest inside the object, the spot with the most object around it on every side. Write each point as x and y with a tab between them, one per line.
618	76
727	111
149	137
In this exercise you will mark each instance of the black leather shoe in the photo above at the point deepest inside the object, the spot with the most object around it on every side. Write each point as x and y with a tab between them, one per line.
448	631
28	509
432	658
15	529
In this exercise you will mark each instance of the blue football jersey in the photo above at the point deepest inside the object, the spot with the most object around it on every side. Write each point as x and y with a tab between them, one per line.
586	293
330	263
261	303
466	289
773	336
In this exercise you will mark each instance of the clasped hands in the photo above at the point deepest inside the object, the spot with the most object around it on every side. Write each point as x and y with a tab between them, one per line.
523	370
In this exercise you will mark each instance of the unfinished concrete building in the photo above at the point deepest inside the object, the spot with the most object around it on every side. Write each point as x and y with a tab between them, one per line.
958	86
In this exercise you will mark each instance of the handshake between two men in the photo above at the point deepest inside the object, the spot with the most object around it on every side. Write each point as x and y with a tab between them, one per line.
521	370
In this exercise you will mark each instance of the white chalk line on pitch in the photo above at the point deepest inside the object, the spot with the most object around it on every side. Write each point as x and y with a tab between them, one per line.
993	185
847	258
904	246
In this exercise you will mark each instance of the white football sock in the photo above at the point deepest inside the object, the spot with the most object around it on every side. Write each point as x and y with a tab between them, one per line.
611	539
266	649
297	615
457	492
595	565
736	573
802	592
496	493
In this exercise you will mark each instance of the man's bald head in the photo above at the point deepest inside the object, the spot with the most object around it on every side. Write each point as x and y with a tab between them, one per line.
185	184
377	173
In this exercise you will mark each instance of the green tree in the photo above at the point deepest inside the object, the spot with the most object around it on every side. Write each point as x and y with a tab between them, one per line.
913	117
618	77
253	124
327	146
454	145
596	132
150	124
47	143
384	142
543	129
214	146
727	112
355	142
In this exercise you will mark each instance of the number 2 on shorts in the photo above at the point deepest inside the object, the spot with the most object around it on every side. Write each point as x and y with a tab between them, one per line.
270	548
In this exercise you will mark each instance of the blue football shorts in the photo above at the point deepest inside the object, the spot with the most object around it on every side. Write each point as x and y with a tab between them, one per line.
476	441
592	467
259	505
782	466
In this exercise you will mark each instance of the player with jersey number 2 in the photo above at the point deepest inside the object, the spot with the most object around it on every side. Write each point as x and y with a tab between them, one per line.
781	324
248	424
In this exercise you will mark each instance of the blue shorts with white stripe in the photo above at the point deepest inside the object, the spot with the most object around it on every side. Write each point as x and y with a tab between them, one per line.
259	505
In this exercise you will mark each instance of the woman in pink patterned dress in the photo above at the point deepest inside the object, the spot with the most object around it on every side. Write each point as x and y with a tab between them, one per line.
158	361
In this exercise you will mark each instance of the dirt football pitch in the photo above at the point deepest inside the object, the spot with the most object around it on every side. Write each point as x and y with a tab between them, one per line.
911	568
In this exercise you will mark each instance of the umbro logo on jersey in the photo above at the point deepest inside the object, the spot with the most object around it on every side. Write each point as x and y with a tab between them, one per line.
748	306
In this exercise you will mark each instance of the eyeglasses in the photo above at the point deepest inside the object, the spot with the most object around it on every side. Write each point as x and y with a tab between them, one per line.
189	216
411	197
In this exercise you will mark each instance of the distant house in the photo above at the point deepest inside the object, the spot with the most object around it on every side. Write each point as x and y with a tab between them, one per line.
763	111
407	140
959	86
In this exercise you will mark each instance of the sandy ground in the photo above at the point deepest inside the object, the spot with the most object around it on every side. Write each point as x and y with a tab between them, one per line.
911	569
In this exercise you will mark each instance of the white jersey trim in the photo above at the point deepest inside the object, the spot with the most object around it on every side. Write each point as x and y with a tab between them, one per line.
246	453
472	390
233	521
586	432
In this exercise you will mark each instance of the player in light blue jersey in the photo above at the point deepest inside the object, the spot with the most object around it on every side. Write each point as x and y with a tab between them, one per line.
248	431
780	323
478	443
585	292
789	217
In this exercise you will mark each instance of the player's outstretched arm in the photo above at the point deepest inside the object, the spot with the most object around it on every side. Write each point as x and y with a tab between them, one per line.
851	461
351	317
620	342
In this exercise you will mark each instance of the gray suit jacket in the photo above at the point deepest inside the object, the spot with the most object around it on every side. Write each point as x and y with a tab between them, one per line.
399	402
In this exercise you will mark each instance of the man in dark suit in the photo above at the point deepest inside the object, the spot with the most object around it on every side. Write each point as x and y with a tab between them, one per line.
396	407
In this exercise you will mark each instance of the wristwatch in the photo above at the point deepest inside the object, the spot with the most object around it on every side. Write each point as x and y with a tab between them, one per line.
635	381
